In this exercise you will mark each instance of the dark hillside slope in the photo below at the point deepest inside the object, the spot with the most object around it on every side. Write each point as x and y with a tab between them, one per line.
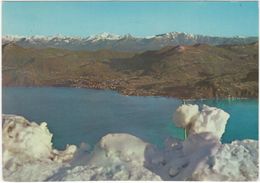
199	70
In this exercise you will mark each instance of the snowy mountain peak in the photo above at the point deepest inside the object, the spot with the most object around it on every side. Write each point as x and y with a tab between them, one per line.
174	35
104	36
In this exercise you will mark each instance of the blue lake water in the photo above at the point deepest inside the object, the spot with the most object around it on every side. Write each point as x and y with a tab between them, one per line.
85	115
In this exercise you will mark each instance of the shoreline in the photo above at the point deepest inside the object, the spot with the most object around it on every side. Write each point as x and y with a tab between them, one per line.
133	94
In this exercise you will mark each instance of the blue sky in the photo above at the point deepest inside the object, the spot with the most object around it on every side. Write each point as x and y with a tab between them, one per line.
136	18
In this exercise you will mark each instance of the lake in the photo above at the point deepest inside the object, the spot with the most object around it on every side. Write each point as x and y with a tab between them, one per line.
76	115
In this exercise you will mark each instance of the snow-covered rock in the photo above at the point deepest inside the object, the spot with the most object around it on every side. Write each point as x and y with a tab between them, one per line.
27	147
109	170
28	155
237	161
115	157
184	115
111	146
202	157
118	172
33	140
209	119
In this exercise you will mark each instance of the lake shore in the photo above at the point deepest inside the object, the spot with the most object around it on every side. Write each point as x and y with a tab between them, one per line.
138	92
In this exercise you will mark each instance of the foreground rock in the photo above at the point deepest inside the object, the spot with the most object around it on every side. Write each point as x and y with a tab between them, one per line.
28	154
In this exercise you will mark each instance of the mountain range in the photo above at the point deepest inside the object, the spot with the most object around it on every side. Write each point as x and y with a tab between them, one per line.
126	42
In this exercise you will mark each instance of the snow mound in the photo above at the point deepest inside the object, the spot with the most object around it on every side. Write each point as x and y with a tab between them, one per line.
184	115
123	146
209	119
115	157
118	172
33	140
237	161
27	147
181	159
121	157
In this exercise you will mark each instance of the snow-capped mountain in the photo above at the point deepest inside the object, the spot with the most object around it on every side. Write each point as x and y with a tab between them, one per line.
123	42
103	36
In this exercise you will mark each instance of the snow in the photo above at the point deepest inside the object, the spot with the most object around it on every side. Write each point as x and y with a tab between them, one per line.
119	172
209	119
182	158
134	148
20	135
27	147
103	36
28	154
237	161
184	114
61	39
113	160
176	35
95	38
11	38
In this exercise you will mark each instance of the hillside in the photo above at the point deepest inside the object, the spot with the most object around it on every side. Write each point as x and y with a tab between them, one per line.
56	67
198	71
192	71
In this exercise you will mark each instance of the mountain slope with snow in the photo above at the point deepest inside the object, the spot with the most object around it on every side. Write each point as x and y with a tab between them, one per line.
123	42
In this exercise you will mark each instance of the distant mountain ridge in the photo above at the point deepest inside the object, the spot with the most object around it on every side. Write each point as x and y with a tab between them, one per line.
123	42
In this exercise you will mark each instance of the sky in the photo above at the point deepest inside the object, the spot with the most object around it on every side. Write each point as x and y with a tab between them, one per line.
137	18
